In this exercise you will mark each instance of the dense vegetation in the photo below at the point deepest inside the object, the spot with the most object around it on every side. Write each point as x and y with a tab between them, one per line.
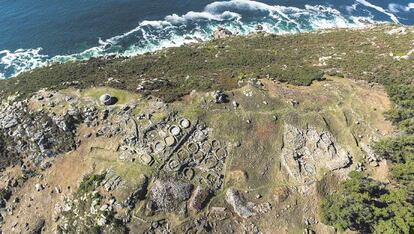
370	206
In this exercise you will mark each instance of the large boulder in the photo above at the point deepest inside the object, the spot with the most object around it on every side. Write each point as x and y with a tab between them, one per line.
221	33
220	97
240	206
107	99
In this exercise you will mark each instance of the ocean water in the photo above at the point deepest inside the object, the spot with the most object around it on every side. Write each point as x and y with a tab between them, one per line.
35	33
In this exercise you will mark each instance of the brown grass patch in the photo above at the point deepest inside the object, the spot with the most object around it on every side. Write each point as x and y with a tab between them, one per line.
265	131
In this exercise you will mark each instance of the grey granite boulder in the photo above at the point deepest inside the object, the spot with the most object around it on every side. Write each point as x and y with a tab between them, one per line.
221	32
240	207
107	99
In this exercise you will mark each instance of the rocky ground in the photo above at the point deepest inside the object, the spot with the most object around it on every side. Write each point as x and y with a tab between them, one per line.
246	136
253	159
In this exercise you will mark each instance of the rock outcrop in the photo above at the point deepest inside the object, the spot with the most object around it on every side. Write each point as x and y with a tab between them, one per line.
307	152
167	195
219	97
33	135
221	32
107	99
240	206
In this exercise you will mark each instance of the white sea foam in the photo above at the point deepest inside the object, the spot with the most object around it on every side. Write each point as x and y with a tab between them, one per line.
22	60
380	9
396	8
176	30
238	4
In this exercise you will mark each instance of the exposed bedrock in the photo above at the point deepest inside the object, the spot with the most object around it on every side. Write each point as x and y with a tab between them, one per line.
168	195
240	206
35	135
307	152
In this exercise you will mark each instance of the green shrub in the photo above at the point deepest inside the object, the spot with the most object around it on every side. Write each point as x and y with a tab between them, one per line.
404	174
353	206
365	205
89	183
295	75
397	149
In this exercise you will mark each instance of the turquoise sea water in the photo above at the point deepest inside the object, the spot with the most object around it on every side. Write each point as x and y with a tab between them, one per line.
35	33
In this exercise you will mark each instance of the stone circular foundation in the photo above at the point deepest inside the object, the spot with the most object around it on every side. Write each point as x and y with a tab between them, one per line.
188	173
169	141
185	123
174	130
183	154
210	162
193	147
198	157
221	153
206	147
201	126
215	144
211	179
174	164
146	159
199	136
159	146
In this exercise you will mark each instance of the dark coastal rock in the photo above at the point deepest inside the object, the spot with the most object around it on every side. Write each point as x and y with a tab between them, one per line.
221	32
259	27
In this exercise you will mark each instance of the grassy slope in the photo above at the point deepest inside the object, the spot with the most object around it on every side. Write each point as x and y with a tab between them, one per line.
359	54
220	64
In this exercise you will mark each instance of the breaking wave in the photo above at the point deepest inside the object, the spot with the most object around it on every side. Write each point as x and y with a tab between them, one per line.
397	8
379	9
239	16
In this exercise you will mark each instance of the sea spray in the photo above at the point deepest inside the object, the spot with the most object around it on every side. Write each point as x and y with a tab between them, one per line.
238	16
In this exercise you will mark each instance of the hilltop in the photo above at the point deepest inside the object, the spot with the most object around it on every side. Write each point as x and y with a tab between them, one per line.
255	134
